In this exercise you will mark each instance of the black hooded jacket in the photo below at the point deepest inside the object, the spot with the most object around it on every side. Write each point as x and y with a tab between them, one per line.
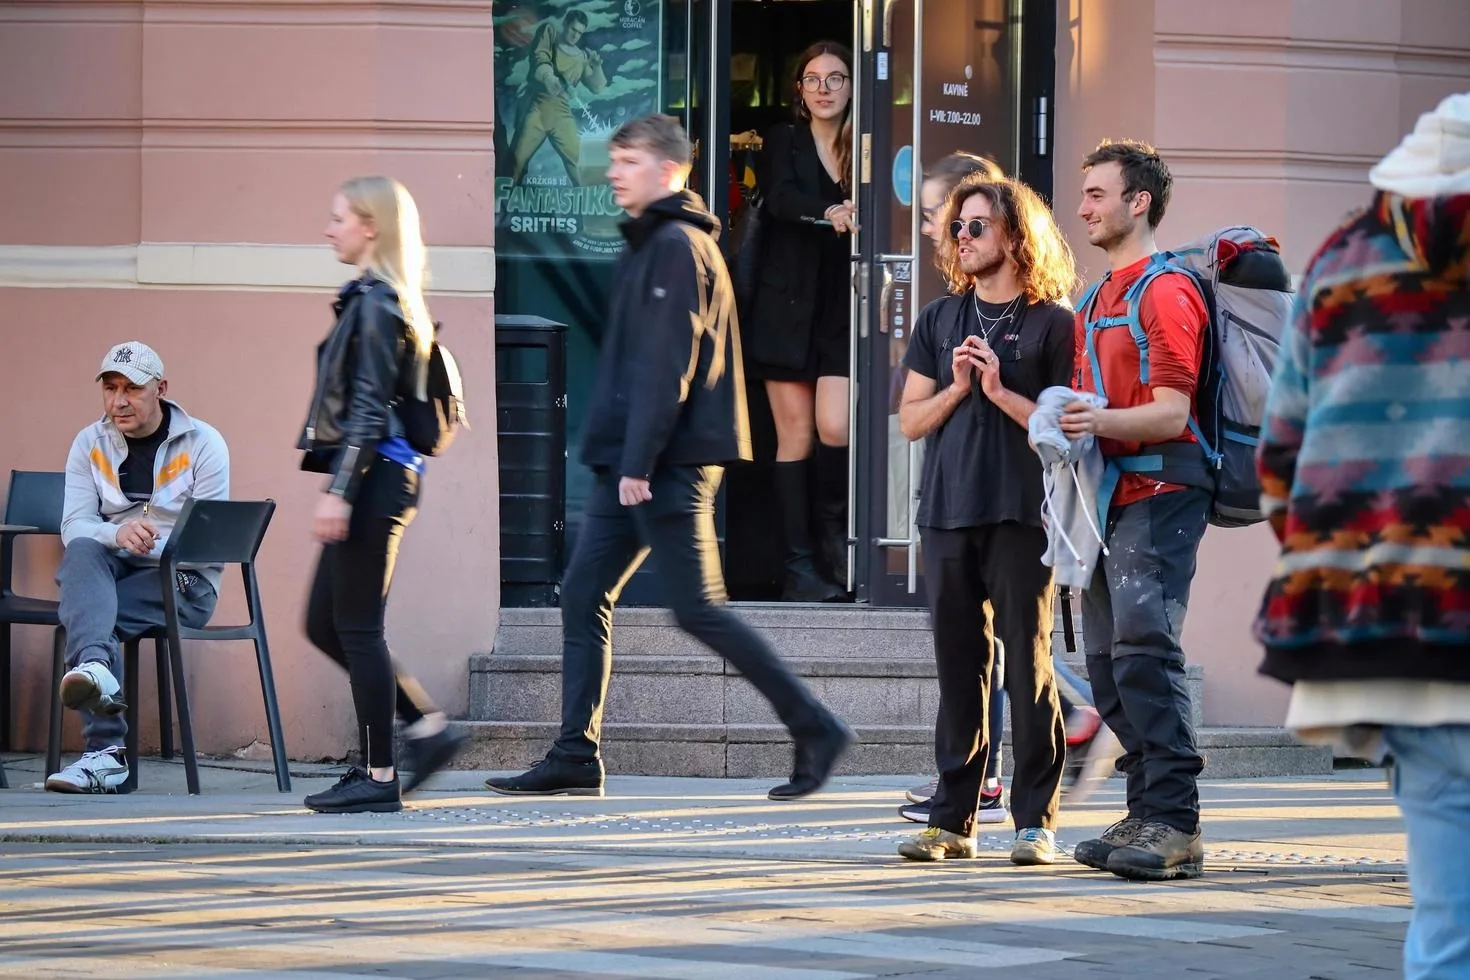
670	388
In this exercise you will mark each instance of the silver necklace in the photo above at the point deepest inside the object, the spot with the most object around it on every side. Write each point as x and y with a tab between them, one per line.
989	326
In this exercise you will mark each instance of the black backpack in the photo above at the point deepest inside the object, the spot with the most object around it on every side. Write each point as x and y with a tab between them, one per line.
430	423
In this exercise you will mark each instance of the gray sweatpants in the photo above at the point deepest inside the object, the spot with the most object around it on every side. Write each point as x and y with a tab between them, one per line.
107	599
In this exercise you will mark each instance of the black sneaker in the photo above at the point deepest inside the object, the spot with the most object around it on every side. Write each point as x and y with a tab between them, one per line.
815	760
552	777
357	792
992	809
426	756
1159	852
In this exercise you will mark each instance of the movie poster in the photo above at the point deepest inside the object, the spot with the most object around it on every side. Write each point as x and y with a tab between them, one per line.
567	74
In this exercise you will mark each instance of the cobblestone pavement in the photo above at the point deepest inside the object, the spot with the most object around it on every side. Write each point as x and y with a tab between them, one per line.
696	879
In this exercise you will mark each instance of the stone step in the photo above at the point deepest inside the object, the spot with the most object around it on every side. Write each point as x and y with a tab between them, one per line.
794	629
741	751
691	690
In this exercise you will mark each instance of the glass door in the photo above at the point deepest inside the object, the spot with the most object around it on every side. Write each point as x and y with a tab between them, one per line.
937	76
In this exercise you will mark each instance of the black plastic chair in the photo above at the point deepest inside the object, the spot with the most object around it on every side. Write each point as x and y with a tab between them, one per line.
208	532
33	506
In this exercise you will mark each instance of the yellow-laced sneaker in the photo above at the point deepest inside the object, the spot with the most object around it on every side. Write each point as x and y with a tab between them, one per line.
936	844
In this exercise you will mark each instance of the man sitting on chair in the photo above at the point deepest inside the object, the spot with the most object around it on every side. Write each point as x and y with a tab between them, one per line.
128	476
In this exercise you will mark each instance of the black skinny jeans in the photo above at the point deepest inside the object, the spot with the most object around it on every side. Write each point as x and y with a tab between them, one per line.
349	595
677	527
983	582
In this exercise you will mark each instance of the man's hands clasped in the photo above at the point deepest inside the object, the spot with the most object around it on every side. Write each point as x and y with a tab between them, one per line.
972	358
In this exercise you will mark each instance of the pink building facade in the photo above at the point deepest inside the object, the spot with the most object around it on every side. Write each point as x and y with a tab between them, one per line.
168	168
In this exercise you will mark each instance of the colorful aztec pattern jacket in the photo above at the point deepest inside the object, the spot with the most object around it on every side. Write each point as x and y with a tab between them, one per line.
1365	454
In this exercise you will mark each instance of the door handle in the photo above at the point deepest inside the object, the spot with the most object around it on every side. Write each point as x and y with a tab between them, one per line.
885	295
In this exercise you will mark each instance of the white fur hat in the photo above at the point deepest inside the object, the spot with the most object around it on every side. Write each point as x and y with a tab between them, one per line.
1433	160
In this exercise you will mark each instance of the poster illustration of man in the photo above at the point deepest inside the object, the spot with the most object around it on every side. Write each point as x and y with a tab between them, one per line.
558	64
567	74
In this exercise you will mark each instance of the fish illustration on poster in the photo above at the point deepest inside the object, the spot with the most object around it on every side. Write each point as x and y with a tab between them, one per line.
568	73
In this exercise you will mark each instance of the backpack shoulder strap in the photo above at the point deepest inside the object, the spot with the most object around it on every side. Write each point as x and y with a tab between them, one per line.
1160	264
1084	307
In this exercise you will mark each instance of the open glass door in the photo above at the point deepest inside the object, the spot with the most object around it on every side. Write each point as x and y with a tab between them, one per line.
937	76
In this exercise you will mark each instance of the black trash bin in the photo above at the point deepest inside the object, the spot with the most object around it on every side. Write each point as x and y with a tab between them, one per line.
531	410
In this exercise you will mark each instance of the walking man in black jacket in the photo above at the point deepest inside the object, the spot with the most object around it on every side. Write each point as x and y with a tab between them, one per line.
667	411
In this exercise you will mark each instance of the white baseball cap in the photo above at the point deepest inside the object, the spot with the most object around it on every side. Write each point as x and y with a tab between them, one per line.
135	361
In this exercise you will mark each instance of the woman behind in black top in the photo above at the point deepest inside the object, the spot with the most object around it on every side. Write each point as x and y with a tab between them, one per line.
799	329
377	351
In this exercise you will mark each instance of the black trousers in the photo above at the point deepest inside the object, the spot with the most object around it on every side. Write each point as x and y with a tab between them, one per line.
349	596
677	530
983	581
1132	617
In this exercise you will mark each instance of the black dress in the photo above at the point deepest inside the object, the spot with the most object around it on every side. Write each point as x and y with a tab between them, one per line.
798	325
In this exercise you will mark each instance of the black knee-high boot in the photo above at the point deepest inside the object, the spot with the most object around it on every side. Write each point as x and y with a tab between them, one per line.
803	582
832	509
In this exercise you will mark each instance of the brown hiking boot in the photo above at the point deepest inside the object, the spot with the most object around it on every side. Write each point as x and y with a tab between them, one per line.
1095	852
936	844
1159	853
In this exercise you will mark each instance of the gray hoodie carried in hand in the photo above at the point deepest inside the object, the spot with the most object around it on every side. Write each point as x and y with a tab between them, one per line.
1071	472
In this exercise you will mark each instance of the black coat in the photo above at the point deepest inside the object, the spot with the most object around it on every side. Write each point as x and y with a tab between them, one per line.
670	389
357	380
784	306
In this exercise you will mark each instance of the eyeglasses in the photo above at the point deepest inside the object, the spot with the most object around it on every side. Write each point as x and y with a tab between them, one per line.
832	82
975	226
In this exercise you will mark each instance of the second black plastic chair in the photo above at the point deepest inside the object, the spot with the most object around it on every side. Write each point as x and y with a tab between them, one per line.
208	532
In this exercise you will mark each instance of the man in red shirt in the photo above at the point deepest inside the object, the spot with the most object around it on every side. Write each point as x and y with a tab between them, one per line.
1133	611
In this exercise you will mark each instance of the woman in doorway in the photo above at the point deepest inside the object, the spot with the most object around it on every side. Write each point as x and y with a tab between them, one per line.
799	331
378	351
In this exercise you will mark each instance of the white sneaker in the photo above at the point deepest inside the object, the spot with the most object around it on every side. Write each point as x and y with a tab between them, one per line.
91	687
95	772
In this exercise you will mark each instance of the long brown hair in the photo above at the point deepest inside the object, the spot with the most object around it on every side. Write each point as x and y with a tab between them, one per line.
844	138
1044	263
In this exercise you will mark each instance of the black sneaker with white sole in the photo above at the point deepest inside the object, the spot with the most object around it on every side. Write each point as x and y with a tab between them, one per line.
992	809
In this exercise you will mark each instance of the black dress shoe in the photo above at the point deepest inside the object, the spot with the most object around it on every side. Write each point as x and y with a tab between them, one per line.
815	759
552	777
426	756
357	792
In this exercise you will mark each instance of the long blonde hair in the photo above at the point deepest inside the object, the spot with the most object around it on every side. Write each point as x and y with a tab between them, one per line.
399	257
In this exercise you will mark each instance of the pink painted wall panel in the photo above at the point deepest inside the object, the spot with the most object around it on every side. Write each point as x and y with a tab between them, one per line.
1343	112
279	195
245	71
73	196
243	362
451	76
1435	23
1376	21
1207	18
69	69
1197	105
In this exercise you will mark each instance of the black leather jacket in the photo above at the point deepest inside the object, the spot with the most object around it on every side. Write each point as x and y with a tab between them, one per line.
357	381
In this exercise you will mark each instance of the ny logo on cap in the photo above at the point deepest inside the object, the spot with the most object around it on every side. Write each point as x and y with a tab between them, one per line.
124	355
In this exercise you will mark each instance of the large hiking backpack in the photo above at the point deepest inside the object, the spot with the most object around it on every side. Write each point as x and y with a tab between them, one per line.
431	423
1247	291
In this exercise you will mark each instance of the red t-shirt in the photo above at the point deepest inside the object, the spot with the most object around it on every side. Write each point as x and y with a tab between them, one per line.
1174	319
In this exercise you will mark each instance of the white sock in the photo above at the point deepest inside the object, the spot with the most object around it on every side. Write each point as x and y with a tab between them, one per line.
431	724
992	786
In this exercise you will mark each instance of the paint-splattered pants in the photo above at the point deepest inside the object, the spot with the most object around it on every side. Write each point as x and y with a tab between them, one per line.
1132	618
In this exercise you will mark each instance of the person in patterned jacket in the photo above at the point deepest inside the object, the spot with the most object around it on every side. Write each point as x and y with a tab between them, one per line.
1365	470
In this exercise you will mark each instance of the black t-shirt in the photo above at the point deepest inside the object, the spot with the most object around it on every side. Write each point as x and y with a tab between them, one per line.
978	467
135	475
